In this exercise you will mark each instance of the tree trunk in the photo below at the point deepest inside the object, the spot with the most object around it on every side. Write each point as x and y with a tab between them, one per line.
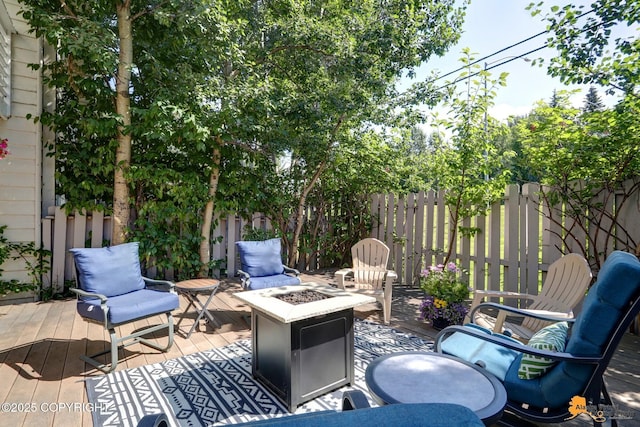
207	216
121	205
293	253
295	240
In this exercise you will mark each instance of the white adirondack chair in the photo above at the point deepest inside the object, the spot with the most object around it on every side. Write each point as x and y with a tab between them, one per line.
369	273
564	287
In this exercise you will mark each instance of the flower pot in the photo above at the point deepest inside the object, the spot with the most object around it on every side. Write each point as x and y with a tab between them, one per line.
440	323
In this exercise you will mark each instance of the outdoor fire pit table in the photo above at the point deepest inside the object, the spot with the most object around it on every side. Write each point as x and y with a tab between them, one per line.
302	339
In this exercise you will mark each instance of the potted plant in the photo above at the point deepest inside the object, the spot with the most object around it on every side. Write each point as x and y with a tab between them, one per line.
445	303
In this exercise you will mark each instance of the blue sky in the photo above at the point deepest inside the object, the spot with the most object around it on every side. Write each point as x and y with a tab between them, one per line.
491	25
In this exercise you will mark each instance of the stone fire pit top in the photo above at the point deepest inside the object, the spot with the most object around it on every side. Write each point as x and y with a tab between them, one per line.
262	300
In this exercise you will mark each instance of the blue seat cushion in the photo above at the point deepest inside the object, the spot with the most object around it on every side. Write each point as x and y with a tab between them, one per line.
272	281
127	307
261	258
495	358
407	415
552	390
110	271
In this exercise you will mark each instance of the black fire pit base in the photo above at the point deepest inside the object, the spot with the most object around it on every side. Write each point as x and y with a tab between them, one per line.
302	360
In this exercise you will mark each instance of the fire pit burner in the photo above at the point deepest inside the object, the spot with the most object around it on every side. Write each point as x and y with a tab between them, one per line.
301	297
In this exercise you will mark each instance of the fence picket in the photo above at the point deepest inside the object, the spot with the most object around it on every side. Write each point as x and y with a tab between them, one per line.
517	239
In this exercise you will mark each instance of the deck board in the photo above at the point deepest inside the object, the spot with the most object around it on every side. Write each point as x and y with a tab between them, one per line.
40	345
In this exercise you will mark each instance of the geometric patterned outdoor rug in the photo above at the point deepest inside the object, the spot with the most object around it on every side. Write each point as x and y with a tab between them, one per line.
215	387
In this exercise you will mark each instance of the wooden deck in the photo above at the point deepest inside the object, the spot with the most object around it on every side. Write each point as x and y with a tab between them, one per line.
40	345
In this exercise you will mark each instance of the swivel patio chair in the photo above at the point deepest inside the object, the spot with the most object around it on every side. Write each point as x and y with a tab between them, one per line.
369	274
564	287
262	266
570	365
356	410
111	291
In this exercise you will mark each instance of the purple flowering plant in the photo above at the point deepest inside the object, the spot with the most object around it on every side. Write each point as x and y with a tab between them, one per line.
446	293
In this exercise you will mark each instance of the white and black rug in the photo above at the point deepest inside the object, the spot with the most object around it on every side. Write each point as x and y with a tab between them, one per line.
215	387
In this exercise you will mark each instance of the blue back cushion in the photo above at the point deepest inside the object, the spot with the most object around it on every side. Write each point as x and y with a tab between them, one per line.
618	281
110	271
261	258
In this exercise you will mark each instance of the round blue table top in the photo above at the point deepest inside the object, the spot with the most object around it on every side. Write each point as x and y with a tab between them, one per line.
425	377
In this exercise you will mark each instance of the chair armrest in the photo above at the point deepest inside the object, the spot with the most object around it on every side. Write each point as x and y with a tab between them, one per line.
511	344
245	279
479	293
550	316
103	302
291	271
161	285
392	275
82	293
340	275
354	399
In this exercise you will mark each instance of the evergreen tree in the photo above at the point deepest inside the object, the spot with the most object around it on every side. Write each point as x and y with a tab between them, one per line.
592	101
555	100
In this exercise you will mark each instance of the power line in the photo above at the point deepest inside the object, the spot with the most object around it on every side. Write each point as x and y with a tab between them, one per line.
499	52
506	61
490	55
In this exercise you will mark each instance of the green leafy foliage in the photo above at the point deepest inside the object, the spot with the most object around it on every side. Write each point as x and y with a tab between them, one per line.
445	283
36	263
585	159
470	168
589	49
249	106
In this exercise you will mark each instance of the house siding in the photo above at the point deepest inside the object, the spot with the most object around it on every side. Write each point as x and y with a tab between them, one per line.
21	171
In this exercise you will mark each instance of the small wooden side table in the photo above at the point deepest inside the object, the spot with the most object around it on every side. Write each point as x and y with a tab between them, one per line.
191	288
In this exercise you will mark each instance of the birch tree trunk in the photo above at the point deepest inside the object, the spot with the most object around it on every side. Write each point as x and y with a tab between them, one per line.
205	232
121	205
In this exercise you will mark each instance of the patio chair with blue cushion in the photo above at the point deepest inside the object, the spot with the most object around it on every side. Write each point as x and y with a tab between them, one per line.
561	369
356	411
262	266
111	291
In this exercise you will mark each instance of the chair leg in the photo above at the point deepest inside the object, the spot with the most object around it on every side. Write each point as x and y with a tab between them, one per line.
113	351
606	397
153	344
386	303
117	343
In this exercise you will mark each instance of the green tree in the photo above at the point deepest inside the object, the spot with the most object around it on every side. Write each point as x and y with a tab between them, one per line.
470	168
587	51
220	94
585	161
555	100
592	101
342	63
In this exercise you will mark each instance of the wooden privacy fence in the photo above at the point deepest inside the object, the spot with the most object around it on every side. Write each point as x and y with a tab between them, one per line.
509	244
513	245
62	232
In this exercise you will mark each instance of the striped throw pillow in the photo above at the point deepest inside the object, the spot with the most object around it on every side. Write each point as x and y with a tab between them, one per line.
550	338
